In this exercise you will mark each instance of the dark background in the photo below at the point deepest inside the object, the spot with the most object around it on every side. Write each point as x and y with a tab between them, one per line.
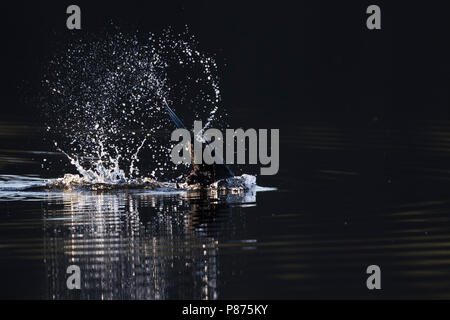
286	65
279	59
364	115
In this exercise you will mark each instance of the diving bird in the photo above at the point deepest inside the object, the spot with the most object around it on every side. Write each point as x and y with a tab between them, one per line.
202	174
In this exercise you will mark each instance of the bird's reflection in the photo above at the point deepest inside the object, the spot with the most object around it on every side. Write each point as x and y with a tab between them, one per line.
135	245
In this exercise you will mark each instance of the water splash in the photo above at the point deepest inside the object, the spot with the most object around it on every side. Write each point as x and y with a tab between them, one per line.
104	103
241	189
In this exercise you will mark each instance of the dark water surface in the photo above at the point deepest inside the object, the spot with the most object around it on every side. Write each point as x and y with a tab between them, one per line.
349	198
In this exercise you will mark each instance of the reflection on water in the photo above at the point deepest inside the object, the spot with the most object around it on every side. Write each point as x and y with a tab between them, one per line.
133	245
352	198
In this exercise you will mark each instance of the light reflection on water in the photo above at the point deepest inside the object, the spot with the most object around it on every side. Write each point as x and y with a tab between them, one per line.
379	198
133	245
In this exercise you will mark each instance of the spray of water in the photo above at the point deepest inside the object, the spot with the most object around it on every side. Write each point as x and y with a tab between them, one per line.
104	102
